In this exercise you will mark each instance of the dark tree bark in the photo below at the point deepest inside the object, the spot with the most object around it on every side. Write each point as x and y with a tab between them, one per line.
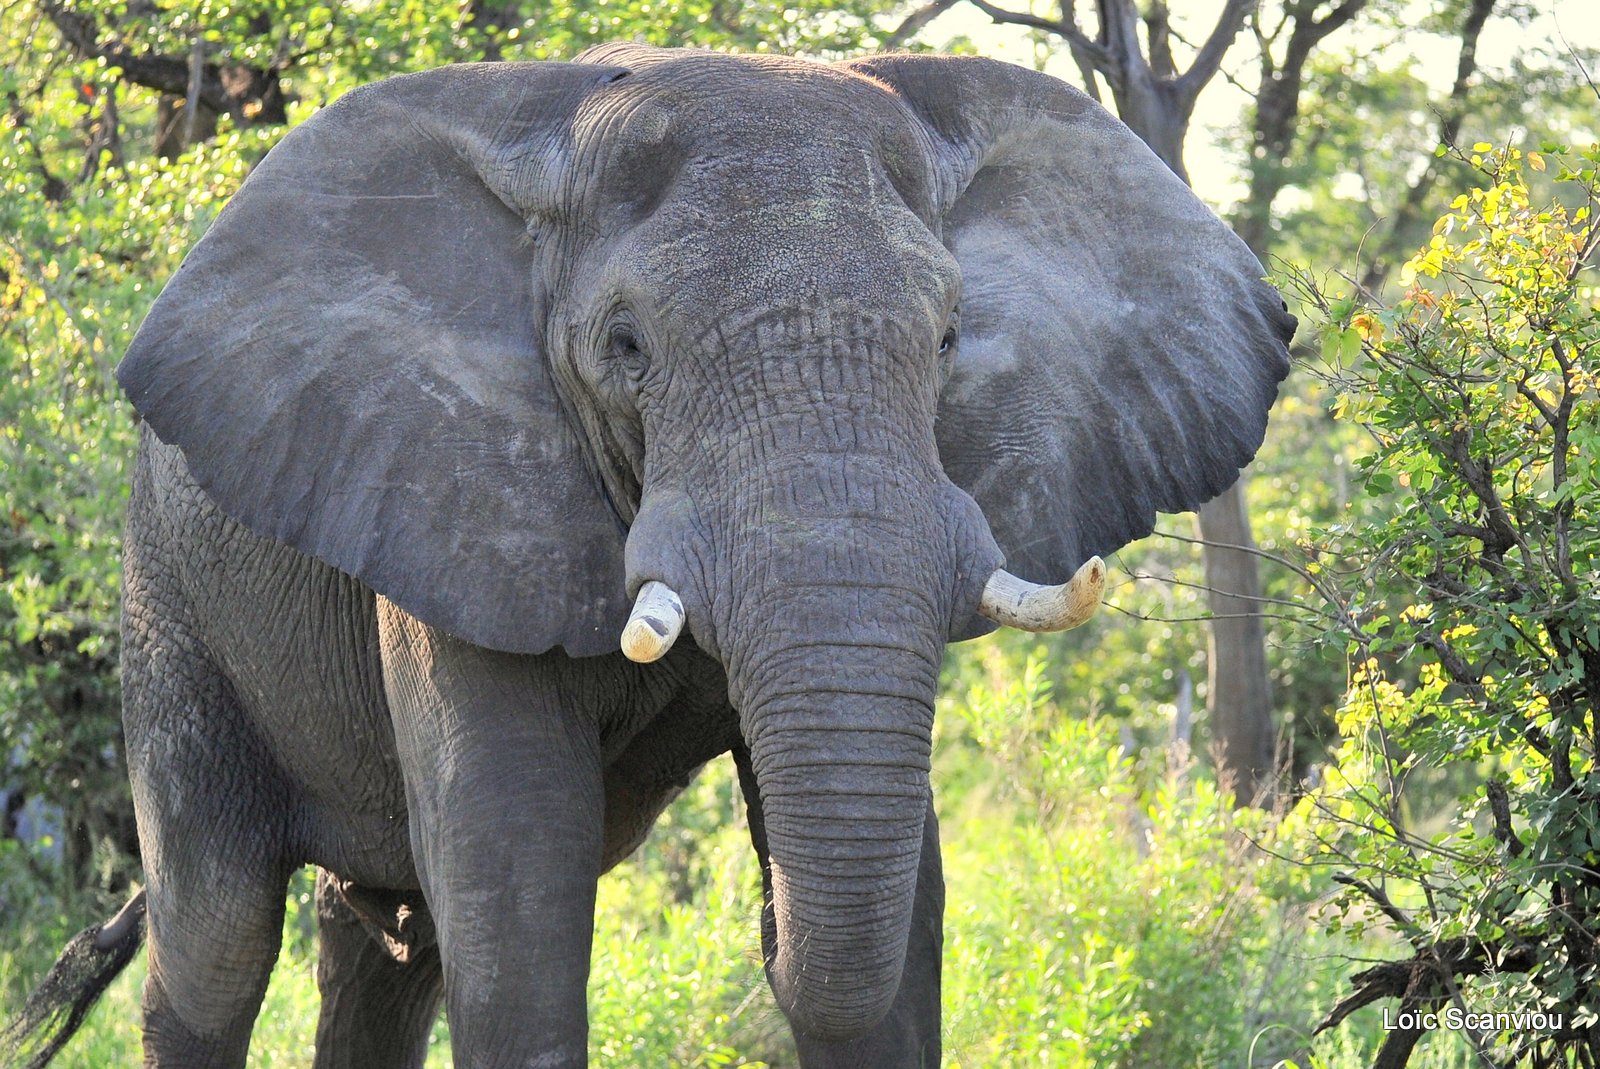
194	92
1239	693
1277	110
493	18
1238	686
1277	113
914	23
1450	119
1273	134
1156	101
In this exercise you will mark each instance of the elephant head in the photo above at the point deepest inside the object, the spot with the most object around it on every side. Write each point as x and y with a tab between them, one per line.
807	350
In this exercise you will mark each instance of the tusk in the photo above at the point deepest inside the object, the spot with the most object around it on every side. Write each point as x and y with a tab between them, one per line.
1018	603
654	624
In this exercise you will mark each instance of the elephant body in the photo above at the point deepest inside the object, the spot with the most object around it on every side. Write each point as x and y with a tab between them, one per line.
294	645
253	667
478	355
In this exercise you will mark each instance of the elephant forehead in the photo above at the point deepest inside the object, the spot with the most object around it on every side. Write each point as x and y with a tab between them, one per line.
778	122
821	253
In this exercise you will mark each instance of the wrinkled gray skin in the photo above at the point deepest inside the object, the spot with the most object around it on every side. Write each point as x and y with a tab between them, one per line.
477	352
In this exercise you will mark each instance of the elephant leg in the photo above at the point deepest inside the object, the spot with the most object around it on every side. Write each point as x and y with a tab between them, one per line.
209	808
212	947
663	759
908	1038
379	997
502	767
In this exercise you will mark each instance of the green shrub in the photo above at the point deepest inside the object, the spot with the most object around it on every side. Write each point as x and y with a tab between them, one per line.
1103	915
1471	611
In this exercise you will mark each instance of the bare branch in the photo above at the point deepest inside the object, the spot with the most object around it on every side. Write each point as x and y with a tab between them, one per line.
1274	127
191	100
172	75
1119	31
167	74
1417	979
1500	808
1209	60
1065	30
914	24
1402	921
54	188
1158	39
1259	599
1076	39
1336	18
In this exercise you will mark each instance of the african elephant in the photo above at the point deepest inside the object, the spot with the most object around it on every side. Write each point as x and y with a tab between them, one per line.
798	354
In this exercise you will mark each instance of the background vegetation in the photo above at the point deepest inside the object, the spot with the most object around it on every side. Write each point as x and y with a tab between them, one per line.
1424	509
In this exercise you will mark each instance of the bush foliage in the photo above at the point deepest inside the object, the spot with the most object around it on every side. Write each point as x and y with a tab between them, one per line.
1472	612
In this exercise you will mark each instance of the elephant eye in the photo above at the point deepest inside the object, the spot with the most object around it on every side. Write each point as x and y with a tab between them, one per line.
626	352
947	342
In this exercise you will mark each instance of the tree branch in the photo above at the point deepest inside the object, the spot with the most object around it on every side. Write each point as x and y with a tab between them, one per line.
1076	42
1500	808
1209	60
1451	115
1158	39
1418	977
166	74
1065	29
191	99
914	24
1277	107
1405	924
54	188
1119	35
174	75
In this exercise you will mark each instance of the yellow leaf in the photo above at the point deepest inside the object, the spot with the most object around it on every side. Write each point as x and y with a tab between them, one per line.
1482	146
1368	327
1536	161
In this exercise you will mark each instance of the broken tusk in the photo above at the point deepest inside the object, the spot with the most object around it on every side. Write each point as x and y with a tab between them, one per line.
654	624
1018	603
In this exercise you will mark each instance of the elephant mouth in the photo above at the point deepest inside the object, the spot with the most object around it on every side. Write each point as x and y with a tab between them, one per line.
658	614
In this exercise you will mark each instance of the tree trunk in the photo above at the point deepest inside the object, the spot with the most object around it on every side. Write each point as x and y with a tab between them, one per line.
1239	690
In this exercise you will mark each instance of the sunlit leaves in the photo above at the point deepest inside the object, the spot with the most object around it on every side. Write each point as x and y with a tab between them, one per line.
1477	388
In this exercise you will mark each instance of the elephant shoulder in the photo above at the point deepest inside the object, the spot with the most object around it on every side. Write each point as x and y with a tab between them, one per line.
188	561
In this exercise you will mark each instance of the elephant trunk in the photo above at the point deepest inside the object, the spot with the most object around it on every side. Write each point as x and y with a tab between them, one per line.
833	653
840	750
825	559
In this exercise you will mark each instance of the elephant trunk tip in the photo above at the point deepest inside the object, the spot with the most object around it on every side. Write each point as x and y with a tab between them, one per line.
836	972
817	1011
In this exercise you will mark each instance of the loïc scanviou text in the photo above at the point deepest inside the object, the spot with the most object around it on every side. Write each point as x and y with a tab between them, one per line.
1454	1017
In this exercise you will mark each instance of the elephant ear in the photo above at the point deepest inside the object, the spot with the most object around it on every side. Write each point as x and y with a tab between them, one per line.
1118	350
351	362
